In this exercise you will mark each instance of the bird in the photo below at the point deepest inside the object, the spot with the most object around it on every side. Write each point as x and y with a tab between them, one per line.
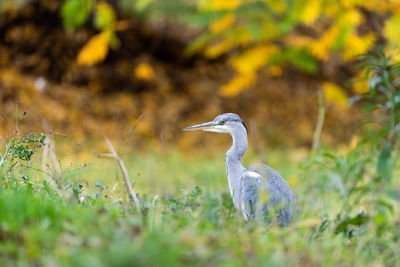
257	189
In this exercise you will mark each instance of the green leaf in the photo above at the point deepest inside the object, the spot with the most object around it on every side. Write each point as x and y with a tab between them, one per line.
303	60
384	168
75	13
199	43
344	225
300	58
141	5
105	17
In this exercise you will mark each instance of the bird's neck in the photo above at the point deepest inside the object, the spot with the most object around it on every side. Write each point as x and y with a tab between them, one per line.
233	160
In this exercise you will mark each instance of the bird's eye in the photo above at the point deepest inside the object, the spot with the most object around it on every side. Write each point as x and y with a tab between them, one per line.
222	122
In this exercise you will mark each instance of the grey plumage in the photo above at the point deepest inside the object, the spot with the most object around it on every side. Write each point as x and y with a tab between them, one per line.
277	191
257	189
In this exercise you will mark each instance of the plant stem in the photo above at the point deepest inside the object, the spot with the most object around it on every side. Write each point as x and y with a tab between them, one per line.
320	121
131	191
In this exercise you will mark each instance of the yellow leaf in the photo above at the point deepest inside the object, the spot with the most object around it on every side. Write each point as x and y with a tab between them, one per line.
277	6
311	11
393	52
393	6
95	50
241	37
247	65
392	30
351	17
320	48
238	84
360	86
331	9
144	72
392	34
254	58
334	94
382	6
222	24
356	45
219	4
220	48
346	21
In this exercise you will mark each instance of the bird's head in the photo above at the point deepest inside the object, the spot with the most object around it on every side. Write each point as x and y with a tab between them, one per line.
224	123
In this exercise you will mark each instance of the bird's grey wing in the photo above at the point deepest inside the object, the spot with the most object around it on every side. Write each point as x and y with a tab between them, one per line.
250	185
280	194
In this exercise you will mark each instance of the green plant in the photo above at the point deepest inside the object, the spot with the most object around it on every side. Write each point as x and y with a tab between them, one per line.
22	148
383	105
362	175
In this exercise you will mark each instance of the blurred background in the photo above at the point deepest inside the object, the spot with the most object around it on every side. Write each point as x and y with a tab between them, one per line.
84	68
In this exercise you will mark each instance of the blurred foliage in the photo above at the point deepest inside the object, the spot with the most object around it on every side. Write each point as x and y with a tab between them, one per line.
296	32
99	68
76	12
271	34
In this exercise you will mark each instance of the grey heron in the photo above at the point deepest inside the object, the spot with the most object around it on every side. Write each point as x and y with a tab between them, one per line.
257	189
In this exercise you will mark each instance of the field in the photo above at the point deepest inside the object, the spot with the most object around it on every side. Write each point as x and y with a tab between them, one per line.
186	214
95	169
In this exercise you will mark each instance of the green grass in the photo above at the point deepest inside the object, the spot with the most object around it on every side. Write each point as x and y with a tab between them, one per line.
156	173
188	219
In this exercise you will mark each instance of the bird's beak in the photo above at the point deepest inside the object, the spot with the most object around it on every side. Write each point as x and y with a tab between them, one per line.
203	126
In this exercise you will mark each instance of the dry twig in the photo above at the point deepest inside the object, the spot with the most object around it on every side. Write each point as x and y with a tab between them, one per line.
129	188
